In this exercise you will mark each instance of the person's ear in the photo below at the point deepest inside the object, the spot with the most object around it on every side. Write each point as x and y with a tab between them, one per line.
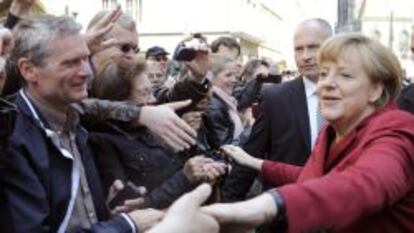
28	70
376	93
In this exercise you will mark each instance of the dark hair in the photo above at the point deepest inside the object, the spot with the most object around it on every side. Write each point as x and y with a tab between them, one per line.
115	82
251	66
226	41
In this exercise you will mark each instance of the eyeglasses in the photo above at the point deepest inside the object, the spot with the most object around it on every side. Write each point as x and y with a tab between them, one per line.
125	48
161	58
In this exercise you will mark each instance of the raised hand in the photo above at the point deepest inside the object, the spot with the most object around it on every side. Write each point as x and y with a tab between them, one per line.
95	36
21	8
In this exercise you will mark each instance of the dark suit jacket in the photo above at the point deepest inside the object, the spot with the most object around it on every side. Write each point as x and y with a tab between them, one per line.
36	181
281	133
406	99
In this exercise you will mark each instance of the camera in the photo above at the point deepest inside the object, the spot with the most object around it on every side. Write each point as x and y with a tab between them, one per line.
186	50
271	78
185	54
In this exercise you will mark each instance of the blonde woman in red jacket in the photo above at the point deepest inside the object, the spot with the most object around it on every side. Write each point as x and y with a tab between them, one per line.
360	175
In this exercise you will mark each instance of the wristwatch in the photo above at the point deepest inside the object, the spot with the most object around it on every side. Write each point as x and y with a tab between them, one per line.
280	221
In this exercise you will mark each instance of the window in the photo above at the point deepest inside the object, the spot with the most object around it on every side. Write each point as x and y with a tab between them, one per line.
114	3
376	34
129	8
105	4
404	43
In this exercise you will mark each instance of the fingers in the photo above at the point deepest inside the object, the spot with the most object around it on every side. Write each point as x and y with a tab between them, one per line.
179	104
197	197
164	122
221	212
114	189
188	132
179	134
102	31
110	17
142	190
233	151
121	209
173	136
214	170
129	205
183	132
109	43
204	169
134	203
116	186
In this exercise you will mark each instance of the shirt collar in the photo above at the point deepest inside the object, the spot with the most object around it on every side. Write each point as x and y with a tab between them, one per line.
58	121
310	87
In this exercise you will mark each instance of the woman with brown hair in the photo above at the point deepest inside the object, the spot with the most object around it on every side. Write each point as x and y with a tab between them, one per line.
133	154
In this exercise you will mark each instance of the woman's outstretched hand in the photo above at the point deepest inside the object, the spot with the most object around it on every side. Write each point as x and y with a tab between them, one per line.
241	157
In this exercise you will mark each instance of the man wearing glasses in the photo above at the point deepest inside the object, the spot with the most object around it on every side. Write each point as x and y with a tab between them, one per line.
122	41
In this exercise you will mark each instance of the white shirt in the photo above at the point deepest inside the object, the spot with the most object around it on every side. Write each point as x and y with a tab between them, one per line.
312	102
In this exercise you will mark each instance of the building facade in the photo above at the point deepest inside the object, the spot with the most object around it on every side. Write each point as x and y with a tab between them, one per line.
264	28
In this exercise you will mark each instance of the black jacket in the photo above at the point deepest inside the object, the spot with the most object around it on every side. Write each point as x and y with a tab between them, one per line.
136	155
246	93
36	180
281	133
219	127
406	99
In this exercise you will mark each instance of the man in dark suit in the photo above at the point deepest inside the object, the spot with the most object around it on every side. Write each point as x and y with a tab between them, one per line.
406	99
287	125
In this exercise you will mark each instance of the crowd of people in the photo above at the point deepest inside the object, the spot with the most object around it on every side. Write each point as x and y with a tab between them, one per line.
97	137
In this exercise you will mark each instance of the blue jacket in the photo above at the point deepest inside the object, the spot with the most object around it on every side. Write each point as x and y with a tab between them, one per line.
36	180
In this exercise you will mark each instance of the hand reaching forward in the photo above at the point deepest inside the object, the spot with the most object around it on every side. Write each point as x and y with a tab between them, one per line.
184	216
241	157
243	216
199	168
164	122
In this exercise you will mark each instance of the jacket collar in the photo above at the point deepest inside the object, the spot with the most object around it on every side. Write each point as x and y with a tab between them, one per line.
328	154
24	109
299	105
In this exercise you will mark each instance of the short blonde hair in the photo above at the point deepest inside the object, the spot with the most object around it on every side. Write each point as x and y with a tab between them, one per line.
380	64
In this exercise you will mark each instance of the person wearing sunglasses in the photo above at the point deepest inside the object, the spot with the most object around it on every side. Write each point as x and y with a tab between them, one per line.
122	41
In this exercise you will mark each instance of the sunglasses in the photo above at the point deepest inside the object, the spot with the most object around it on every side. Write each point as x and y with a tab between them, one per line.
125	48
161	58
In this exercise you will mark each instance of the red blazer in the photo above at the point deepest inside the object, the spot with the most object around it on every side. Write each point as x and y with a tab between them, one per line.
364	183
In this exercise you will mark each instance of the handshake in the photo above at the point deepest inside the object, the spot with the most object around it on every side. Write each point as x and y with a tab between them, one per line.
187	215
